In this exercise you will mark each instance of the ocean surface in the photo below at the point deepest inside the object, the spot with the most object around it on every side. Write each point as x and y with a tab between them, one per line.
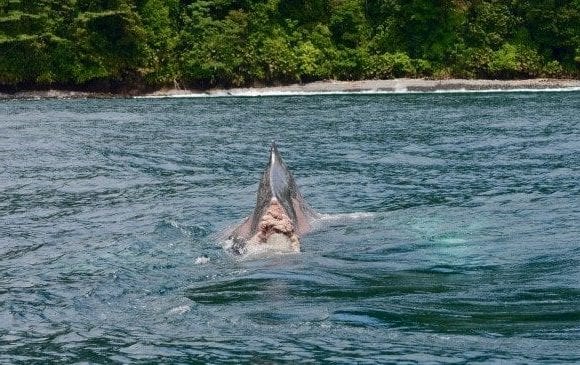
450	230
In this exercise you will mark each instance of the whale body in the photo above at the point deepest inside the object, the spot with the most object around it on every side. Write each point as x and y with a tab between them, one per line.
281	215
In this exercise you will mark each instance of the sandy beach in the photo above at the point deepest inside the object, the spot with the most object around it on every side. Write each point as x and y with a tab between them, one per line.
385	86
320	87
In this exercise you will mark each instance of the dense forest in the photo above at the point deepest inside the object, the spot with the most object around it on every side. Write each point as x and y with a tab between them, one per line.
204	43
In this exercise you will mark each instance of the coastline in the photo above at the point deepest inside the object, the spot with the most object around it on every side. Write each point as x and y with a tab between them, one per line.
402	85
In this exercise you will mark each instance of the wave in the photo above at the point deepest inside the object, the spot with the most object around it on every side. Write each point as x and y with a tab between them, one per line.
395	91
345	216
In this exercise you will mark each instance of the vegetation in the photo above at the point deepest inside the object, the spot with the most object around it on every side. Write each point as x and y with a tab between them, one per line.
151	43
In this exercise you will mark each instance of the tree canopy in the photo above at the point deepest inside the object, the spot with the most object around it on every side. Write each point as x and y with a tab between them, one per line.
208	43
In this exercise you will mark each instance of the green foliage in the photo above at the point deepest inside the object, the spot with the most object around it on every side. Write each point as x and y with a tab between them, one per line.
242	42
512	61
214	52
472	62
54	42
278	58
387	66
113	38
489	24
553	27
553	69
348	23
160	26
305	12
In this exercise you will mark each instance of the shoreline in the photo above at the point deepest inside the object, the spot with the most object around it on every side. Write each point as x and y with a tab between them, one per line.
402	85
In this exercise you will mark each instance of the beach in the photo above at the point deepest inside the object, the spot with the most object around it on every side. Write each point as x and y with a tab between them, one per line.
402	85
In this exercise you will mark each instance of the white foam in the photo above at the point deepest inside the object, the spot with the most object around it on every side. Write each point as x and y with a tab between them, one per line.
178	226
346	216
201	260
182	309
397	90
322	221
518	90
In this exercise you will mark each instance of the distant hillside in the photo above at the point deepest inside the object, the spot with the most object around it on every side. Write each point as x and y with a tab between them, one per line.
152	43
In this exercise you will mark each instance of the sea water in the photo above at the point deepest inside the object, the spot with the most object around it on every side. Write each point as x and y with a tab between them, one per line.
449	233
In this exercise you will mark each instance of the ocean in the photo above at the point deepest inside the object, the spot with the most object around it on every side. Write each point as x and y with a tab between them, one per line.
449	233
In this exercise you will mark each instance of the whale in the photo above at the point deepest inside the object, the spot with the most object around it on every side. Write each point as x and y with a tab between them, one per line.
281	215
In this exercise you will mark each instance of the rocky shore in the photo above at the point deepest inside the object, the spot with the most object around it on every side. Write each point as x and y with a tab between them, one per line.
321	87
